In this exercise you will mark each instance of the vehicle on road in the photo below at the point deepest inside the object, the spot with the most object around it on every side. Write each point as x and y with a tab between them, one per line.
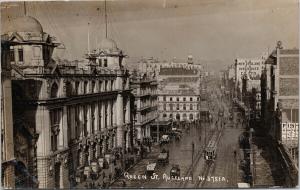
165	139
210	152
150	169
175	171
163	157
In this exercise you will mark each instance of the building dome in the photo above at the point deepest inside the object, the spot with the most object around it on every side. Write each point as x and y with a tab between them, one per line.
23	24
108	44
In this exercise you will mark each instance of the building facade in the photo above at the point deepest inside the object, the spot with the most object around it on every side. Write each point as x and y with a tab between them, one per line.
250	68
145	103
179	105
179	92
64	117
7	140
280	97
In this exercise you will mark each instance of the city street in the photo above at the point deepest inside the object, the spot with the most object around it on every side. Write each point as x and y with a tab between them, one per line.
225	168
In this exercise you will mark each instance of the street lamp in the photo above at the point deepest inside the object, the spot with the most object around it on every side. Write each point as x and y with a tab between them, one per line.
193	148
252	156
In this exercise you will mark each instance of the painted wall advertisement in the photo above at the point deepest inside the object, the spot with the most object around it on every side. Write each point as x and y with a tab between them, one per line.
289	134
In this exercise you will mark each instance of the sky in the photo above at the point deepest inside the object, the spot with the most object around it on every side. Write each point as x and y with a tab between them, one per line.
215	32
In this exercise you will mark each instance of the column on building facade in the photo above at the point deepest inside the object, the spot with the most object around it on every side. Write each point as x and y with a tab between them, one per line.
91	152
43	127
115	112
103	115
96	118
104	145
81	120
120	120
65	126
109	114
98	149
127	119
61	129
72	122
127	139
89	119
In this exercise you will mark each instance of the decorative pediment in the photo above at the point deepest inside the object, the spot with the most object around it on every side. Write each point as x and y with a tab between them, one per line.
15	37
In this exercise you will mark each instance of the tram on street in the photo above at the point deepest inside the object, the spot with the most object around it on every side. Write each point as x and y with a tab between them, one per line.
210	152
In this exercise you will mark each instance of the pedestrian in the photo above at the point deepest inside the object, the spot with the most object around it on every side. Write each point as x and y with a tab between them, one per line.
123	183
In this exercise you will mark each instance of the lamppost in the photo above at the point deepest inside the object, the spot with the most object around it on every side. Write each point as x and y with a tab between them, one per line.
252	156
193	148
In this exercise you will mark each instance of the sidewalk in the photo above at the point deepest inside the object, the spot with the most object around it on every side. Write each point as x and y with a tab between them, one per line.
267	166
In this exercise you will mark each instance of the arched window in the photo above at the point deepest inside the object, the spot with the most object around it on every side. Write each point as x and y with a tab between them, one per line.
93	87
171	107
184	107
54	91
85	87
69	89
178	116
100	86
191	106
77	88
191	117
184	116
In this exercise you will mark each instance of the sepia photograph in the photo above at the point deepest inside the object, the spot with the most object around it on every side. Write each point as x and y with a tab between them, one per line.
110	94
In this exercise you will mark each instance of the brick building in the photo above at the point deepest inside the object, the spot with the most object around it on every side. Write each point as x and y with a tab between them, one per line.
280	97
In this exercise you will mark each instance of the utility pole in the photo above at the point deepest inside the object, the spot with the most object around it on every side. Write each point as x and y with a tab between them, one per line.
105	19
25	12
193	148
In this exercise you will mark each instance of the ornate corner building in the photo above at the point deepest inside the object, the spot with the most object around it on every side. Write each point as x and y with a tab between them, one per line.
64	116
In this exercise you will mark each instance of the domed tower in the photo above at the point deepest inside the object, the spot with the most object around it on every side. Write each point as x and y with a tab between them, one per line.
108	55
190	59
30	45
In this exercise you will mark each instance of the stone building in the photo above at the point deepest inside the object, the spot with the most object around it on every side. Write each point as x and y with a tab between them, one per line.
181	105
280	97
179	92
145	94
7	140
64	117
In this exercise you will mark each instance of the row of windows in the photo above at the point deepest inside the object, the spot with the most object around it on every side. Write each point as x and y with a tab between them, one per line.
95	86
249	63
20	55
184	107
81	121
177	99
177	116
36	53
102	61
252	68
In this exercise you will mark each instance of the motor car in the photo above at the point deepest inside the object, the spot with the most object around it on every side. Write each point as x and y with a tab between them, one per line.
150	168
165	138
175	171
163	157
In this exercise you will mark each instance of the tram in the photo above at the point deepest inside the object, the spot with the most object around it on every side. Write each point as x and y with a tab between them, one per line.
210	152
